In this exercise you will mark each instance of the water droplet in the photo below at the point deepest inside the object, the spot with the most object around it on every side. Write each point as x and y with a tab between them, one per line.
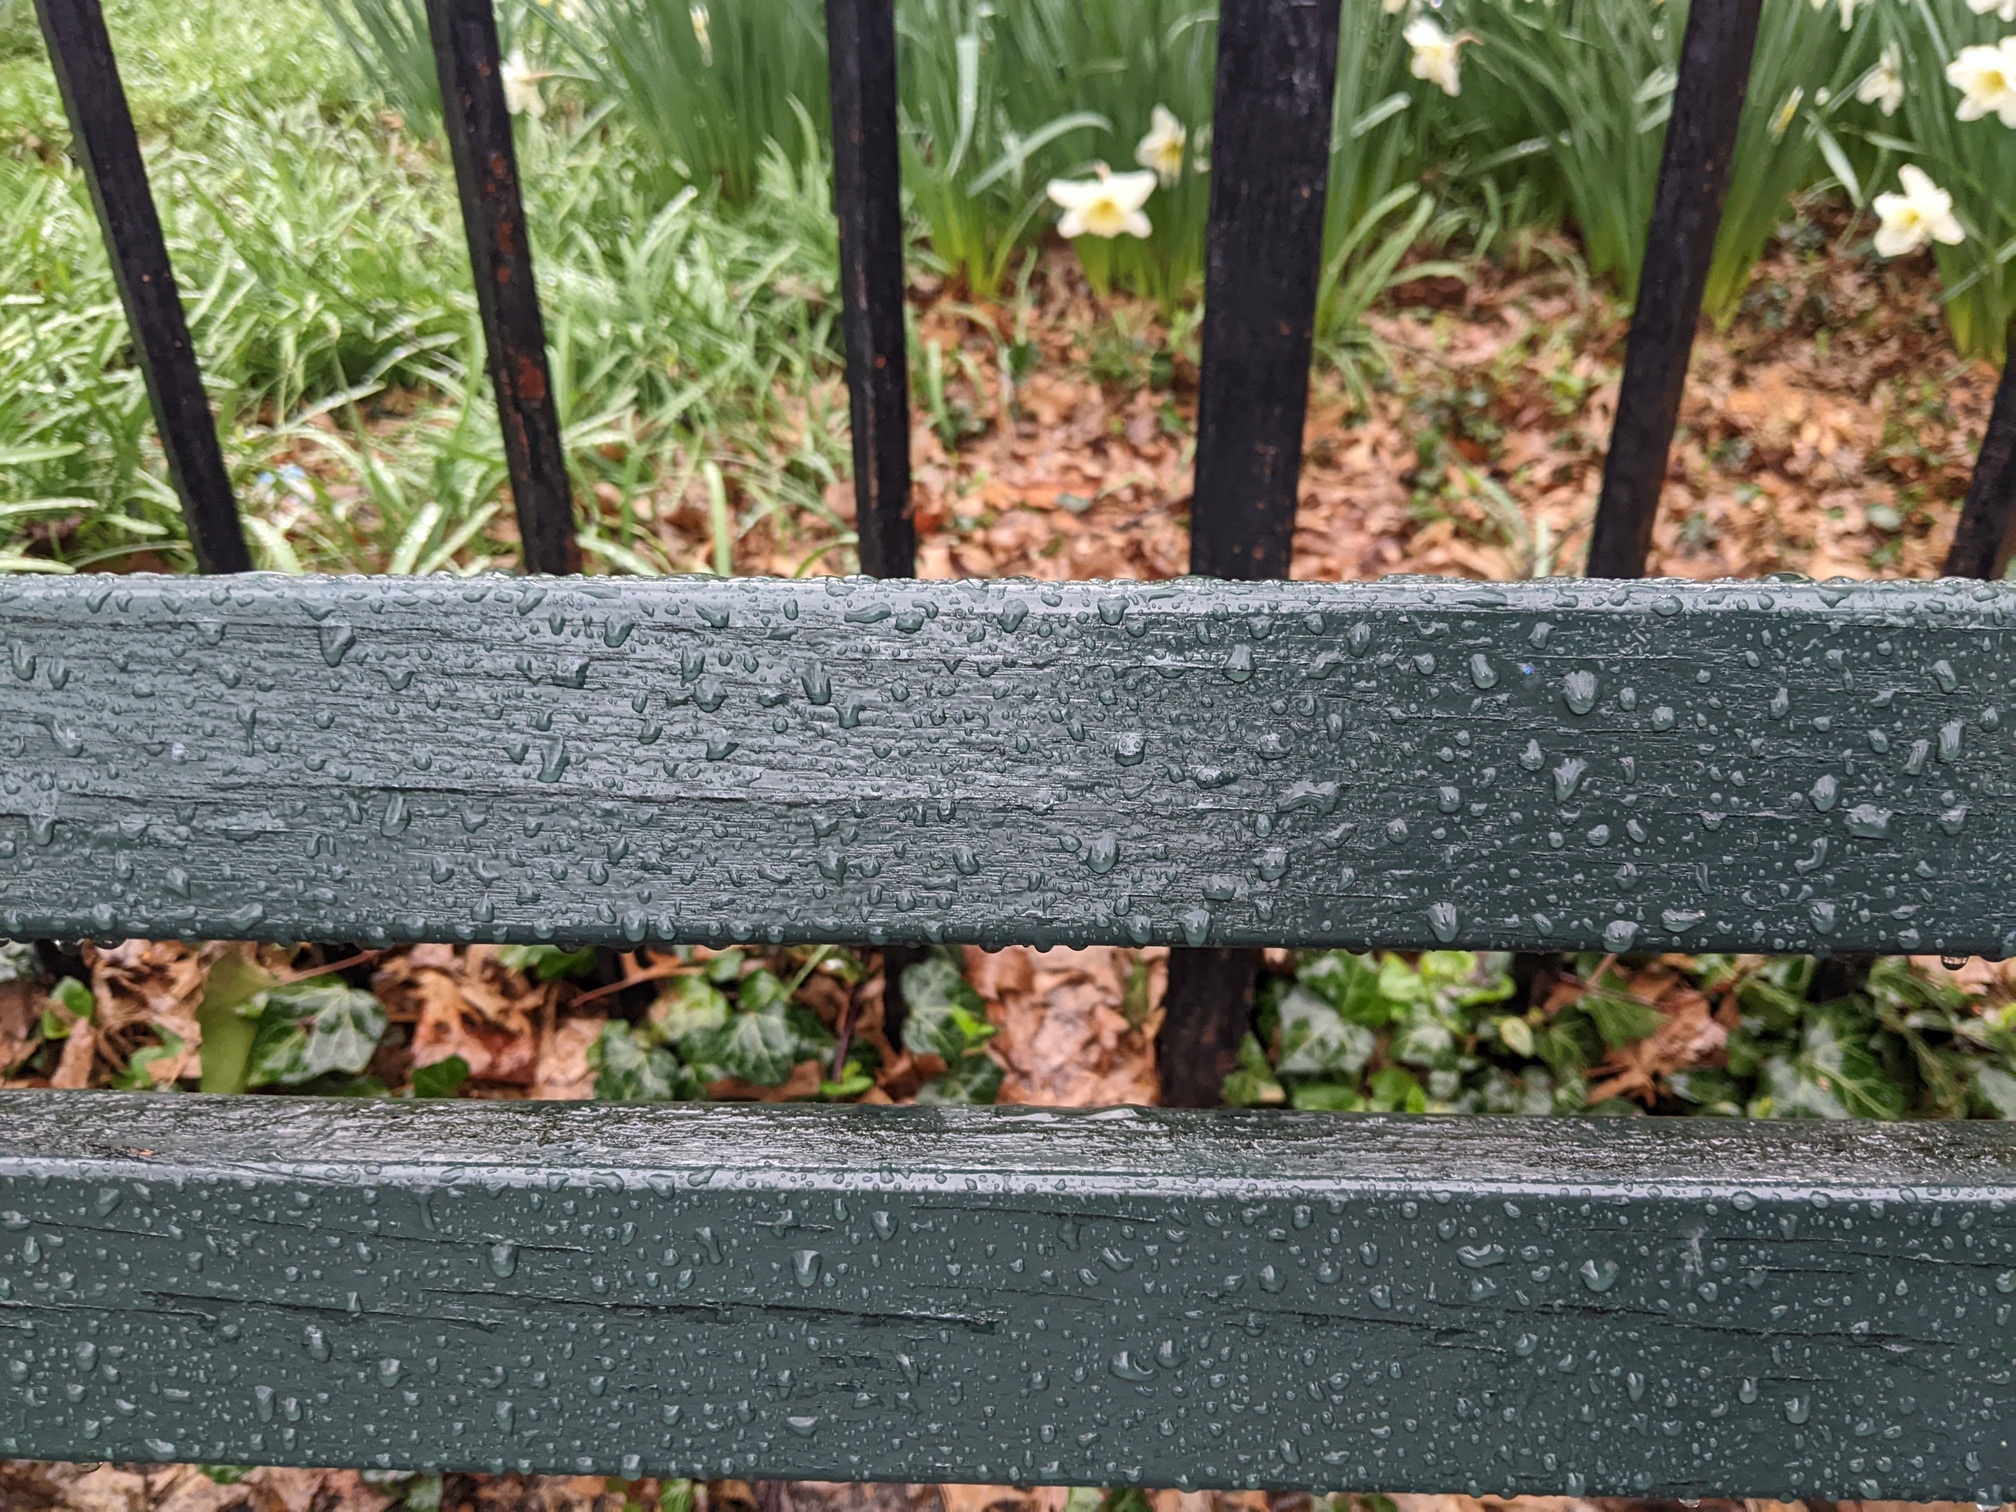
1442	920
1598	1275
1579	689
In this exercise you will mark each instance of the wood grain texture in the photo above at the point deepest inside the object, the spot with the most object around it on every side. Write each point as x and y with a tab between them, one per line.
467	59
1672	1308
1694	171
1632	766
108	152
868	198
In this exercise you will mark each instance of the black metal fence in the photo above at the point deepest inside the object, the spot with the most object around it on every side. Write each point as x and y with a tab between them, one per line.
1272	130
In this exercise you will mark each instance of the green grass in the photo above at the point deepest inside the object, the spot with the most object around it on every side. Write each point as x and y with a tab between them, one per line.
677	187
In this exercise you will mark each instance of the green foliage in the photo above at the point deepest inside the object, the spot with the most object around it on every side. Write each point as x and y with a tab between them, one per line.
679	196
548	963
1433	1034
139	1073
442	1078
18	962
1975	161
307	1030
69	1001
946	1018
722	1022
628	1067
713	85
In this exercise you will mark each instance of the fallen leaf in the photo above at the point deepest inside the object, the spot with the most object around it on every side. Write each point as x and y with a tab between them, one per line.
1065	1038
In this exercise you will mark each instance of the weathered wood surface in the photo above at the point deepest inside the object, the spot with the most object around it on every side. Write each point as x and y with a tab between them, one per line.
1679	1308
1634	766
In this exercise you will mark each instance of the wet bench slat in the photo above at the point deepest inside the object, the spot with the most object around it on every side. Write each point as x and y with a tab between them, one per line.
1779	767
1680	1308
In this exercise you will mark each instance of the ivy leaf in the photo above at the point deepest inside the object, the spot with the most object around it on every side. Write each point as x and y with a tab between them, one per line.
974	1078
946	1016
548	963
1394	1090
1424	1039
73	997
762	991
1252	1085
1516	1035
852	1083
1834	1075
688	1006
139	1073
1326	1097
1351	983
302	1030
752	1047
442	1078
1316	1040
629	1070
1996	1088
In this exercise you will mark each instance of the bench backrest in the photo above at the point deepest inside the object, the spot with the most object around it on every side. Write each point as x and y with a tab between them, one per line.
1238	1300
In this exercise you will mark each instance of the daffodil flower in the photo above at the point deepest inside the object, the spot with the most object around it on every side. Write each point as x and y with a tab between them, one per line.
2005	10
1986	79
1436	54
1849	7
1922	213
1162	148
1392	7
521	87
1883	85
1108	206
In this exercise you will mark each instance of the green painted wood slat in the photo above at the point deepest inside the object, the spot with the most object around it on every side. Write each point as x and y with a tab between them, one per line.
1667	1307
1774	766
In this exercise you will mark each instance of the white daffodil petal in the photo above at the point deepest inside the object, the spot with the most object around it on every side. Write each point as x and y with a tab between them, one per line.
1986	79
1073	194
1129	191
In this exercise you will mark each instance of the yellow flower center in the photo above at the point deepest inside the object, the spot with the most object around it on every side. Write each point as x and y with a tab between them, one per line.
1105	217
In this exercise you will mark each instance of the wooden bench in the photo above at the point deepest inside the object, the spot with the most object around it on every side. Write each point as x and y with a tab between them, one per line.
1681	1308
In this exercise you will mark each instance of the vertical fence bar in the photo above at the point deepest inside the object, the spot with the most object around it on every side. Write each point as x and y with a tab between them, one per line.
108	150
861	64
1270	165
867	198
466	56
1982	543
1686	213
